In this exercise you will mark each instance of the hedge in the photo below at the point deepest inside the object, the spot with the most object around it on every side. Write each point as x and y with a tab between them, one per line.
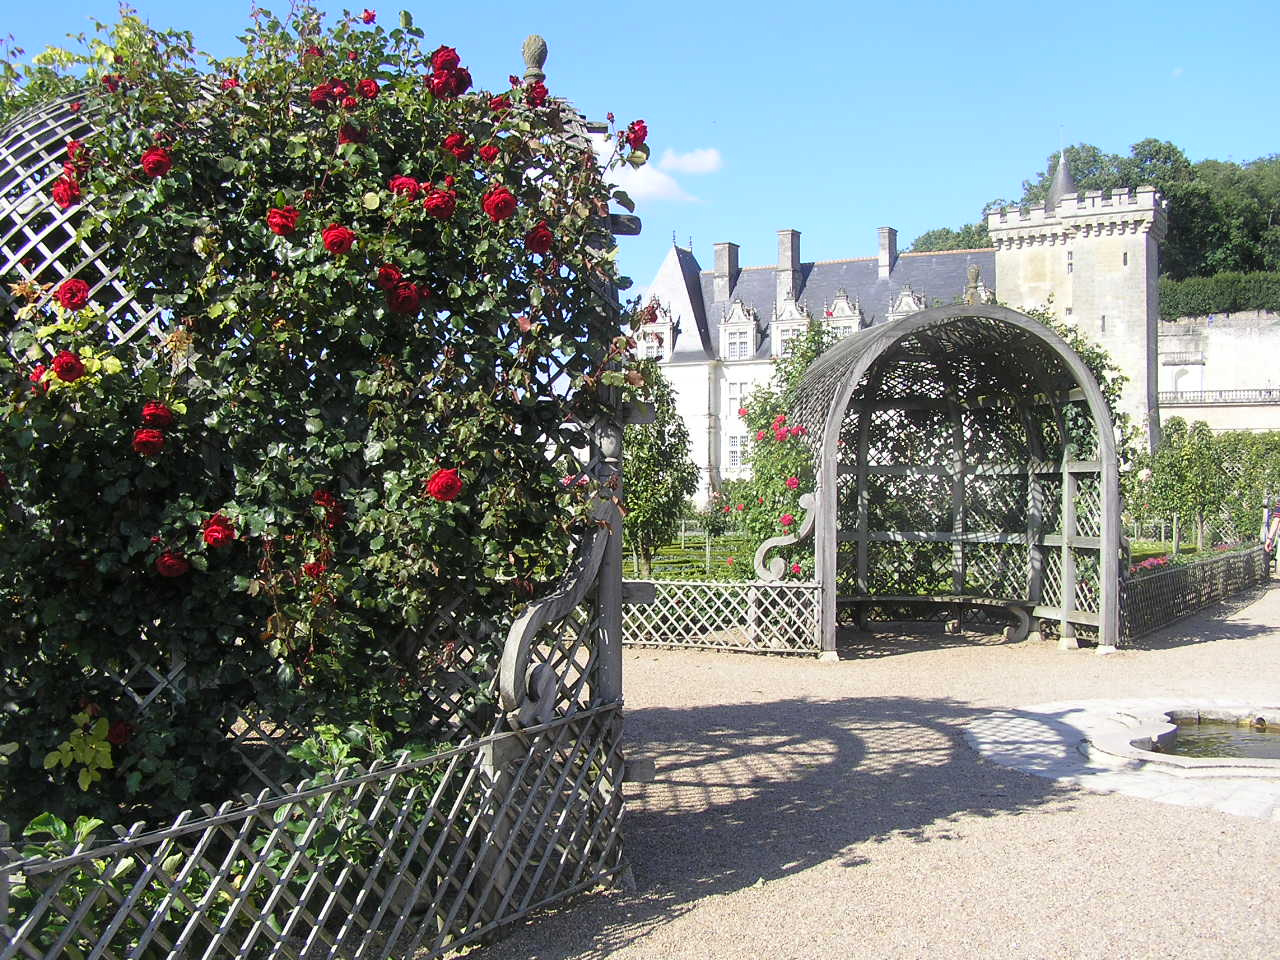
1221	293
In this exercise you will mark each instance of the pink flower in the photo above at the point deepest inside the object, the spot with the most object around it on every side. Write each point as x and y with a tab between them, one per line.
368	16
786	519
742	411
742	506
729	561
799	431
796	569
793	482
760	435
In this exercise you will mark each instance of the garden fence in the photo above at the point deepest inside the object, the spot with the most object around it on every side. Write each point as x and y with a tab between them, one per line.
752	616
1156	599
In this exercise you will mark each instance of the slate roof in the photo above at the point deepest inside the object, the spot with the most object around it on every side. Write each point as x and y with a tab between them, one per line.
938	277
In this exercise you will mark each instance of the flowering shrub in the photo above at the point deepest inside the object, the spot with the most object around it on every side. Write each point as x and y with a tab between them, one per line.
339	459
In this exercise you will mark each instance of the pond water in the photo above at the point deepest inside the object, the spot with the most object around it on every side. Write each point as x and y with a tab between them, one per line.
1226	740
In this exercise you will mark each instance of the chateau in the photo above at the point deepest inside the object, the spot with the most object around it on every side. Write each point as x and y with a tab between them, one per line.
1094	257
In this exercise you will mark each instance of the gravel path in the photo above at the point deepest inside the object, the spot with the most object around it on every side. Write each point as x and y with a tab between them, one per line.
805	809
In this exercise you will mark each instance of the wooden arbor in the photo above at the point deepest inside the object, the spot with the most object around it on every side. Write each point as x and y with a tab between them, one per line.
966	459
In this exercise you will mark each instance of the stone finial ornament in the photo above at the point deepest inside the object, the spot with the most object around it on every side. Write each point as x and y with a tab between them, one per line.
535	55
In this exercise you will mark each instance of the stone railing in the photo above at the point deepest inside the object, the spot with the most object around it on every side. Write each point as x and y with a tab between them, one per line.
1197	398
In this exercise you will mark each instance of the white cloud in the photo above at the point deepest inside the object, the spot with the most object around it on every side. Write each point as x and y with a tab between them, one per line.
643	183
702	160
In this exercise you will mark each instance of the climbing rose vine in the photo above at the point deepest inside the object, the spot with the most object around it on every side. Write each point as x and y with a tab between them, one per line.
335	459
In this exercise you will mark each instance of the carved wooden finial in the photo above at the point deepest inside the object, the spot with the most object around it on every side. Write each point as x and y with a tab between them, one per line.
535	55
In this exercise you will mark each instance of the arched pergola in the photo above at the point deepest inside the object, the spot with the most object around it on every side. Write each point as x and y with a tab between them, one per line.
966	461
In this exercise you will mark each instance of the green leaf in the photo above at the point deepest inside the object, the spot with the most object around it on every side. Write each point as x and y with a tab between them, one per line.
406	19
623	199
371	201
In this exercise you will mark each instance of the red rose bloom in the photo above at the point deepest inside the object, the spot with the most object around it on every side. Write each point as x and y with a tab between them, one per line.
403	186
283	222
67	367
445	484
230	83
499	204
73	294
37	378
321	94
218	531
793	482
539	239
156	414
742	411
786	519
338	240
338	89
156	162
323	498
796	569
120	733
66	192
405	297
445	59
315	570
440	203
636	133
368	88
535	94
759	435
489	153
148	441
368	16
76	151
313	51
500	104
350	103
348	133
456	143
111	81
75	107
172	563
389	276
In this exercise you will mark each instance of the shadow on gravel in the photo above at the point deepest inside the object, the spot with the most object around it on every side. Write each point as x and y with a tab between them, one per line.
891	639
745	794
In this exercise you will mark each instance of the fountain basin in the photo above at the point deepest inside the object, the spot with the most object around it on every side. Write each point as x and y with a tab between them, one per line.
1139	737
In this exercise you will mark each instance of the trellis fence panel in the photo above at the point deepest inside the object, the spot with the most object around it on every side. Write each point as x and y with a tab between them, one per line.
1160	598
753	616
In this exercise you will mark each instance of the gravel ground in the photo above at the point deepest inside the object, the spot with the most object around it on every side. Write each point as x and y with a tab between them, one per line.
806	809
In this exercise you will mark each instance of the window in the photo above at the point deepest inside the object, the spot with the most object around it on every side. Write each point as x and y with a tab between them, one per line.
651	347
1069	265
786	337
736	341
736	456
737	394
842	330
1126	259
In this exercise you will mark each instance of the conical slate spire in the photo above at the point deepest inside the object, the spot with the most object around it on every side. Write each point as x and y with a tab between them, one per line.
1062	181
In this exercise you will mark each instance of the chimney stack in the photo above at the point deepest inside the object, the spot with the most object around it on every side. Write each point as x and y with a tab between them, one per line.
888	251
726	271
788	267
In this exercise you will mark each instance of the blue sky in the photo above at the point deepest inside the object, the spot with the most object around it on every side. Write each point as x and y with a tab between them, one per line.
835	118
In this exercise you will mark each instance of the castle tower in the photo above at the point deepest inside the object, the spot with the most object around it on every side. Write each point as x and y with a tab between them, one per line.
1097	259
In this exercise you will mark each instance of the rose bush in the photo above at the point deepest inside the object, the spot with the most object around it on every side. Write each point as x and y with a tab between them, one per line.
337	460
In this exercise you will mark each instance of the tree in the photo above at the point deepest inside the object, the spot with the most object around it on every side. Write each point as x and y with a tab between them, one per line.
972	236
1187	478
659	472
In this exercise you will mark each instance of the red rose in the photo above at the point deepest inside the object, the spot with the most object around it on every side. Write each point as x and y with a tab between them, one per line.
75	107
315	570
759	435
405	297
338	239
636	133
445	59
156	162
111	81
315	52
742	506
73	294
535	94
456	143
283	221
489	153
230	83
786	519
120	733
441	85
389	276
321	94
148	441
352	56
67	367
499	204
348	133
156	414
368	88
76	151
350	103
403	186
742	411
440	203
323	498
445	484
66	192
539	239
218	531
338	89
796	569
780	435
500	104
793	482
37	378
368	16
172	563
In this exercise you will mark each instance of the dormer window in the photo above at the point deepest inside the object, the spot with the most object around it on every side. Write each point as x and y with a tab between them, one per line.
736	345
738	332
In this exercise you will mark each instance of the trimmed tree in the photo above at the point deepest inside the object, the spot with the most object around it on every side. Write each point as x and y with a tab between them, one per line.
660	474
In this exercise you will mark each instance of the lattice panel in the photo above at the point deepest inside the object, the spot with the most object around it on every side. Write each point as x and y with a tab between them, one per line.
996	569
1050	487
1051	588
909	502
1088	505
760	617
427	854
910	568
996	504
1087	596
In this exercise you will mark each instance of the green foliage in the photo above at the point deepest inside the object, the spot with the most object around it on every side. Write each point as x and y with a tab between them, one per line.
308	415
971	236
660	473
1221	293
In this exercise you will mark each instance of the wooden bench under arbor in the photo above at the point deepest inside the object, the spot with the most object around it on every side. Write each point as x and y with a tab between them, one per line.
1020	610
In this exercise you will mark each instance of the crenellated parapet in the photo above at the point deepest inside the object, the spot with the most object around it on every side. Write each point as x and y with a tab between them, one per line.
1089	214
